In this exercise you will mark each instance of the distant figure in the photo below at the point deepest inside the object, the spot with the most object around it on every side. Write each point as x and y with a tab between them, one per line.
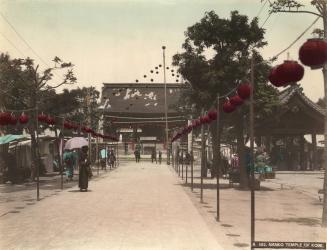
187	158
69	162
137	155
160	157
154	156
103	159
85	171
112	159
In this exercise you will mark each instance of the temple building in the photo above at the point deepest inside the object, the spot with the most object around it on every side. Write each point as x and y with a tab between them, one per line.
290	135
136	112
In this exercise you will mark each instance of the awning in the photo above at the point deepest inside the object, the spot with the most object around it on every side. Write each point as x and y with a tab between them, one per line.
8	138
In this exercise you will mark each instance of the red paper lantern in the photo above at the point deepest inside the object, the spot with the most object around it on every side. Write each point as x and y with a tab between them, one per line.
50	120
5	118
213	115
184	131
23	119
290	72
228	107
87	130
275	79
236	100
67	125
244	91
313	53
74	126
13	119
207	118
42	117
196	123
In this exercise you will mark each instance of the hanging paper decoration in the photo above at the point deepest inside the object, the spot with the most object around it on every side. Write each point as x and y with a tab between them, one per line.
67	125
197	123
290	72
42	117
313	53
236	100
74	126
50	120
204	119
23	119
5	118
244	91
228	107
213	115
274	78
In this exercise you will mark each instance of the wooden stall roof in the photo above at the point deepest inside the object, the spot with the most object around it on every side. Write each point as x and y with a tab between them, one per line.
296	115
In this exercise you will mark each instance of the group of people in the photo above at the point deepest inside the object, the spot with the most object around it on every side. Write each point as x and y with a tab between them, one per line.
107	158
137	154
154	156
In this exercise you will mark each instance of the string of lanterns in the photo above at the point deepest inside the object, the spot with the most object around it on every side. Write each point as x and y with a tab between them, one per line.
230	105
312	53
9	119
156	71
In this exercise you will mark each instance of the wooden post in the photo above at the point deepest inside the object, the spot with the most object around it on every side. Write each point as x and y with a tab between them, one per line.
314	152
252	154
218	160
202	158
192	155
182	163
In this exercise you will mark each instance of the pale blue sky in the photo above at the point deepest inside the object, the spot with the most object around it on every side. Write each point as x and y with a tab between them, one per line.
120	40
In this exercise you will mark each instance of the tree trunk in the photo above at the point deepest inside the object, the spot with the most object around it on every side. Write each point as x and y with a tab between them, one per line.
244	182
32	130
215	146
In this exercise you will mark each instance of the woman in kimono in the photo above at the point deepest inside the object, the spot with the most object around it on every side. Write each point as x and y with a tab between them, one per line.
84	170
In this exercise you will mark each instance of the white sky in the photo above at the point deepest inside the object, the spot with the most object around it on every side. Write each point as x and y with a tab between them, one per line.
120	40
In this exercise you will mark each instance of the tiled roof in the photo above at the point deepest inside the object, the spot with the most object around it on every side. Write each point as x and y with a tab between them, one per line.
287	94
144	98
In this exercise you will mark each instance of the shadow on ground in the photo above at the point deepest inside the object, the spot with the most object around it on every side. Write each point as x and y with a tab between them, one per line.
205	185
301	221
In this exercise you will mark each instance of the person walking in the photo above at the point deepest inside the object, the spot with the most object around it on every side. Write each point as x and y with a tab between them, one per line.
112	159
154	156
69	162
137	155
160	156
85	171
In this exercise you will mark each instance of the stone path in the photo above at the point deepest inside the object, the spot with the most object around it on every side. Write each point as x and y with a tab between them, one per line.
135	207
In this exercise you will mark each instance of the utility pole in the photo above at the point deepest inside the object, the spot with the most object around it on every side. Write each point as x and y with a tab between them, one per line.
88	106
218	161
252	154
202	157
324	71
166	108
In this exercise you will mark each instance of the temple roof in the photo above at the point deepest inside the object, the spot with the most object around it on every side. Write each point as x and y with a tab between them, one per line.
139	98
288	93
296	115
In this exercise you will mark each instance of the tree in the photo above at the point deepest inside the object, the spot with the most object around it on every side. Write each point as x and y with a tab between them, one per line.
292	6
231	42
72	104
25	87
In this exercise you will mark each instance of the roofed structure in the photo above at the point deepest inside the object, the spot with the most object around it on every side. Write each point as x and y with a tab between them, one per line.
139	98
297	115
140	109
